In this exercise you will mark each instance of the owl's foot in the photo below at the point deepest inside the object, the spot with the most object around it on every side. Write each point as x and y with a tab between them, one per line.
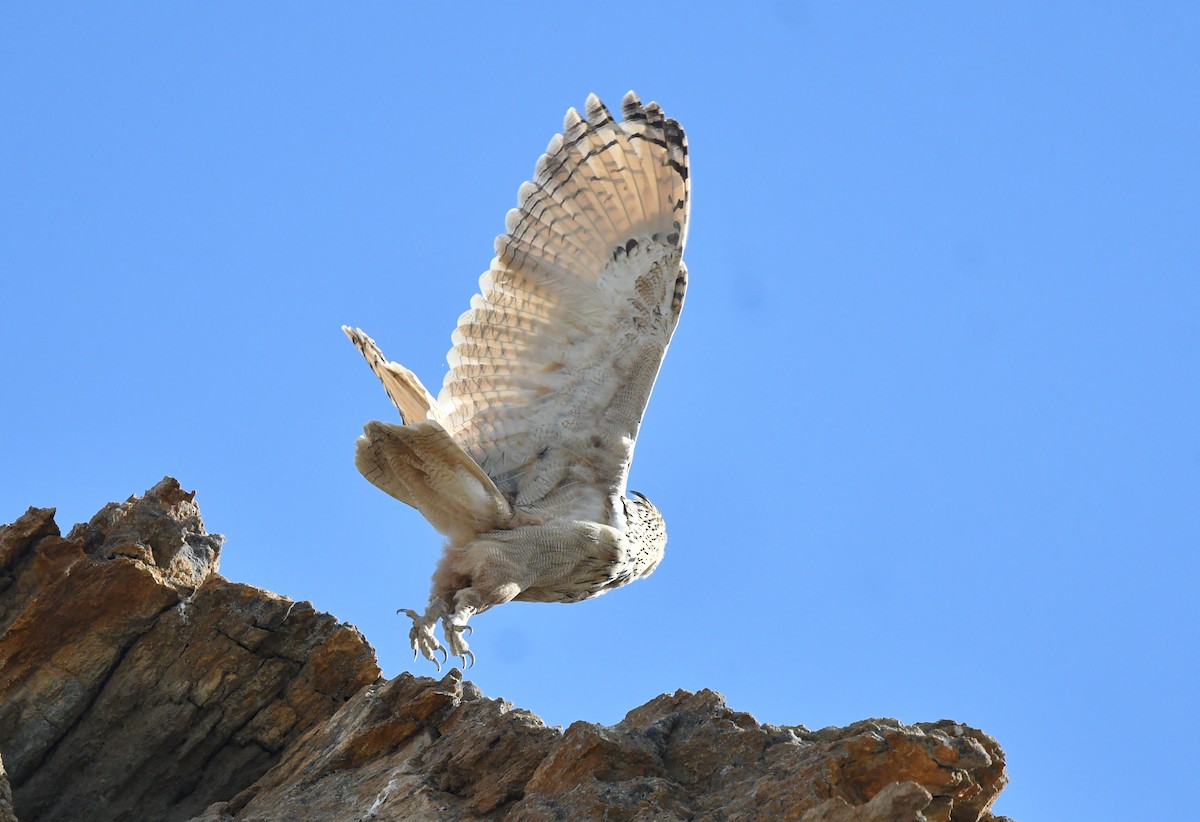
458	645
422	638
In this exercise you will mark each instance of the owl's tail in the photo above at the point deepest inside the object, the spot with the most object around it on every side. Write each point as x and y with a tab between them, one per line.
413	399
420	465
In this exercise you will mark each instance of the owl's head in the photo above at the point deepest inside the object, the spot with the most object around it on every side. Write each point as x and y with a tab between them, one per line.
647	531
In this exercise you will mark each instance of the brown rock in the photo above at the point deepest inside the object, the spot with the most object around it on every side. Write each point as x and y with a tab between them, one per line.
899	800
688	756
411	748
414	748
136	683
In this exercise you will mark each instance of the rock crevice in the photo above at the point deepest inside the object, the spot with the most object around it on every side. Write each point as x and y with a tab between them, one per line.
137	683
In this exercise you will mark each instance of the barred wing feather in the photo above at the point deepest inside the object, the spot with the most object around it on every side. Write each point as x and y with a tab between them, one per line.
553	364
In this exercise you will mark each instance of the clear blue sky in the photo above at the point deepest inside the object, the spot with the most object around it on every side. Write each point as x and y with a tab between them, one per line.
927	439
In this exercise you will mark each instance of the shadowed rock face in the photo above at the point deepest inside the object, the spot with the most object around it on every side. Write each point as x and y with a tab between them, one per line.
137	683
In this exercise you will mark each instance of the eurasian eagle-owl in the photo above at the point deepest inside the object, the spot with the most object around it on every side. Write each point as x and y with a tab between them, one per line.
522	460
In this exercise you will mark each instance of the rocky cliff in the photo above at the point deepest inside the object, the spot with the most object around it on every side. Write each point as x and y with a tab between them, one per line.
138	684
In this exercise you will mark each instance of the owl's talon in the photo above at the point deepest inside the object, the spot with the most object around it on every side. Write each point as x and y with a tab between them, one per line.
458	645
422	638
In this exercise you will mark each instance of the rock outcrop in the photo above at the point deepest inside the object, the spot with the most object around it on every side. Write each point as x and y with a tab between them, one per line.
137	683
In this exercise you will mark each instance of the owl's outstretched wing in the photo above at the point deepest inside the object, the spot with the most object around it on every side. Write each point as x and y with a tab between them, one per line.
553	364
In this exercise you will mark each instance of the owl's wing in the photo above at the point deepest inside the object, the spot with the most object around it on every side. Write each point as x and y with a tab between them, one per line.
553	364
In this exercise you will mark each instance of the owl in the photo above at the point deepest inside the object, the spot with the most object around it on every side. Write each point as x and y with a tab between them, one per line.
521	460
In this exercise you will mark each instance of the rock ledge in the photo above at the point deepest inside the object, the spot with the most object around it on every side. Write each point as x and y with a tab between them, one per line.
137	683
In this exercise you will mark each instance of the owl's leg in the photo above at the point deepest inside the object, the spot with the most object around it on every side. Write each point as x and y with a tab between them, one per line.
469	579
470	601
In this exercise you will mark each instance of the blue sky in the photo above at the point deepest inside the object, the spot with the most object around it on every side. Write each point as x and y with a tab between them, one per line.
926	439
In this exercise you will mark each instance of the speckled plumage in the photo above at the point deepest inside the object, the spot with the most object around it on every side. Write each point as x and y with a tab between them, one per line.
522	458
